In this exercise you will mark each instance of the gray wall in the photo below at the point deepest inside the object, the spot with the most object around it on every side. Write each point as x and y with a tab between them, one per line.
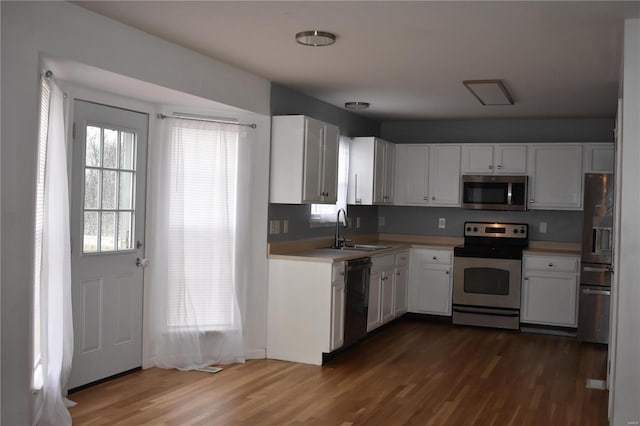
561	225
287	101
500	130
300	226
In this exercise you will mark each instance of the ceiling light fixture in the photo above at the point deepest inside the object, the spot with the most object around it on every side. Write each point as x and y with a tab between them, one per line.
357	105
489	92
315	38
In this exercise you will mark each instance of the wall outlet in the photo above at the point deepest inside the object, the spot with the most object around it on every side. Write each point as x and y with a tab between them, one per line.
274	227
358	222
442	223
285	226
543	227
381	220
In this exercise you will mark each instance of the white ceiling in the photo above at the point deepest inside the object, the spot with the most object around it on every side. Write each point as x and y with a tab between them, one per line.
408	59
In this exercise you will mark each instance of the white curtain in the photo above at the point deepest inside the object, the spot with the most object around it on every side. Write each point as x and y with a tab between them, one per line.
55	317
199	193
323	213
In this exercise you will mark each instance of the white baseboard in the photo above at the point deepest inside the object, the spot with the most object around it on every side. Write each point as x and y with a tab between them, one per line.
255	353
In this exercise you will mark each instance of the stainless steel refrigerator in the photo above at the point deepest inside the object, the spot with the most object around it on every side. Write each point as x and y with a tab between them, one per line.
597	251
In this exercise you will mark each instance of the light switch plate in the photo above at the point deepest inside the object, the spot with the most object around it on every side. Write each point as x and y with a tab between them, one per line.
381	220
285	226
442	223
358	222
543	227
274	227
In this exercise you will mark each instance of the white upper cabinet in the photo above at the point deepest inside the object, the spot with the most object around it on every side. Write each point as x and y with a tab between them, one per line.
444	175
428	175
599	157
556	177
371	171
304	161
494	159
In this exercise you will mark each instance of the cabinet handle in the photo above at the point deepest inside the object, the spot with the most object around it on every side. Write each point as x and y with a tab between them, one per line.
435	258
526	278
551	265
499	166
433	198
532	201
490	167
425	198
398	273
446	272
342	273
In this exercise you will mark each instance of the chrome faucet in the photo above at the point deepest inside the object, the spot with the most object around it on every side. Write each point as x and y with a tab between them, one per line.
339	242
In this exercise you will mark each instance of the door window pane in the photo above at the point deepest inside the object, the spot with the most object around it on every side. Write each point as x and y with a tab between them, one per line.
127	151
124	231
108	231
91	188
109	190
110	156
90	237
126	190
92	154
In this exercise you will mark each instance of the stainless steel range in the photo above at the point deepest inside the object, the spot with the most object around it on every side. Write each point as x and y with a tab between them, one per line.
487	274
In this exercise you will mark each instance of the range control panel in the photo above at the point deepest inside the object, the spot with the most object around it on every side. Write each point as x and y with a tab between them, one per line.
496	230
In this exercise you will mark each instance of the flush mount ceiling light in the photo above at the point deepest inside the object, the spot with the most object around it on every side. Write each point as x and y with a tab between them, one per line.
357	105
489	92
315	38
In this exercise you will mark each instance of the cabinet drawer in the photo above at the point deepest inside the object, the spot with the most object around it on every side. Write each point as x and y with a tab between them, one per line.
440	257
337	272
380	263
551	263
402	259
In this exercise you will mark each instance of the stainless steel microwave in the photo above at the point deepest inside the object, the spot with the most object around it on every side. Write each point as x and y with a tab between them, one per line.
482	192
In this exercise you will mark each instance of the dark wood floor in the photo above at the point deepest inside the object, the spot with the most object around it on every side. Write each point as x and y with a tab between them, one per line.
410	373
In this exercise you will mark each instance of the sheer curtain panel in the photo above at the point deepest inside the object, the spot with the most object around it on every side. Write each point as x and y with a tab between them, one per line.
53	326
193	316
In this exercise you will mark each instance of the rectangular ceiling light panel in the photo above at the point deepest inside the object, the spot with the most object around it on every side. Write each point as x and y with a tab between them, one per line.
489	92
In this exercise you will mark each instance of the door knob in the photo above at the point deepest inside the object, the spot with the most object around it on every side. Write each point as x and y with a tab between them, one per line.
142	263
138	244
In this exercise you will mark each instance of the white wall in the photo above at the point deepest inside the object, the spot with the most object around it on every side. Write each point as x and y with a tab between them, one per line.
63	30
626	379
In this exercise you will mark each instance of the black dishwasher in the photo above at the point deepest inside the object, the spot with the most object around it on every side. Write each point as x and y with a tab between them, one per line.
357	300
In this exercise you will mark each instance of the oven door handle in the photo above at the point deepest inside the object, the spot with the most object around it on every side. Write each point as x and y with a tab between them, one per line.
472	311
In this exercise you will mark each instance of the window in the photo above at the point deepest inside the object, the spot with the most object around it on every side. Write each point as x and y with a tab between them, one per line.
109	182
45	95
326	213
202	225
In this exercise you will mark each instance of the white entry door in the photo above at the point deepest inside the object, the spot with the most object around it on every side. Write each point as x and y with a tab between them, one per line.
107	231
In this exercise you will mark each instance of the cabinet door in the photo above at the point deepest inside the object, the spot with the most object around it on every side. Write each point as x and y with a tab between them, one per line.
337	314
434	289
444	175
386	292
373	316
511	159
556	181
313	147
400	293
477	159
389	170
550	299
378	172
416	169
329	189
599	157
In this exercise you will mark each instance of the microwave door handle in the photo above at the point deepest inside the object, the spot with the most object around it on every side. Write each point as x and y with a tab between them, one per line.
509	193
594	240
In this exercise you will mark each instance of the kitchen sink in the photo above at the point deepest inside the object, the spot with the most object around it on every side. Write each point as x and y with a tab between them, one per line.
364	247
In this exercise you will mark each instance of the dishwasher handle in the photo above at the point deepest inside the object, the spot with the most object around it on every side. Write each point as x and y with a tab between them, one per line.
592	292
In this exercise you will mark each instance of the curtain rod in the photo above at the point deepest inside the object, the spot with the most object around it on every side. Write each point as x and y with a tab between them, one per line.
210	120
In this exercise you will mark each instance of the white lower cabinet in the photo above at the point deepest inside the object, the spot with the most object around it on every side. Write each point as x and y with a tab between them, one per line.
550	286
381	294
401	284
430	281
305	310
337	313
